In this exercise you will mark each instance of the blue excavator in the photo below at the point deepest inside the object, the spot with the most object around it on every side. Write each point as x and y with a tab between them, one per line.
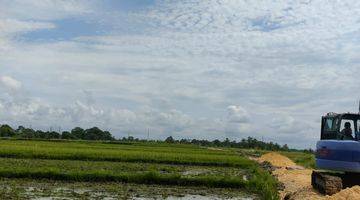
337	153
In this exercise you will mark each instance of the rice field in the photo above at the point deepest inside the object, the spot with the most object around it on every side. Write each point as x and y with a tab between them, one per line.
140	164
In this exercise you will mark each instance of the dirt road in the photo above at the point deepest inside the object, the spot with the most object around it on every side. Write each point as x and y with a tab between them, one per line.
297	181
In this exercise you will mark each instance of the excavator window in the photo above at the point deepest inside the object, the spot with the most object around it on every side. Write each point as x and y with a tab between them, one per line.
333	127
329	125
329	128
357	133
352	127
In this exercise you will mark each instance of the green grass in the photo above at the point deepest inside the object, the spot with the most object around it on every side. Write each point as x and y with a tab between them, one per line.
72	166
260	182
304	159
139	163
191	155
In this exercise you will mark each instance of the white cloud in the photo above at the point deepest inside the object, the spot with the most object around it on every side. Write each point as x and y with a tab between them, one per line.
237	114
180	64
45	9
13	26
10	83
238	122
284	123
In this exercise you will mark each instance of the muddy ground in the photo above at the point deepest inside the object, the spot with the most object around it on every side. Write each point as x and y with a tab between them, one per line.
46	189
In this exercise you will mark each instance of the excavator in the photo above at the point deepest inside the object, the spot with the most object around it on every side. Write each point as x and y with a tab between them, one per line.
337	153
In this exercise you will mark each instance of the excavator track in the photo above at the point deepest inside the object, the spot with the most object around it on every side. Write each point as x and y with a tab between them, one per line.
330	183
326	183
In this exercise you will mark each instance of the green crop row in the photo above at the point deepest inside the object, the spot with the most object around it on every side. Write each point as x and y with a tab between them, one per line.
141	146
66	166
133	163
259	181
52	150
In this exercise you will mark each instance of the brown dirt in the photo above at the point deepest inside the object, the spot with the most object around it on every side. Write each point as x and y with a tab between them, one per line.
297	181
347	194
277	160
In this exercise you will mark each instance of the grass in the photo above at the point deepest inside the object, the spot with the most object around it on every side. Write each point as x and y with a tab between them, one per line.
191	155
141	178
67	166
304	159
133	163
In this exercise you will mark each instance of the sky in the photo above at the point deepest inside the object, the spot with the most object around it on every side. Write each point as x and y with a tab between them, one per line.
211	69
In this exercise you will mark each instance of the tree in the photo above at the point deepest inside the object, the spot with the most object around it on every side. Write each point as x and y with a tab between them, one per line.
184	141
67	135
227	142
53	135
93	133
78	133
170	139
107	136
40	134
97	134
6	131
27	133
285	147
217	143
20	129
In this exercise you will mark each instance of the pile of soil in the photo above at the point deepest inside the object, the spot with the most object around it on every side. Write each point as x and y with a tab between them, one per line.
306	193
277	160
297	180
347	194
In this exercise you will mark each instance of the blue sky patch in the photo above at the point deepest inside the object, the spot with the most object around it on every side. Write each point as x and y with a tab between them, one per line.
129	5
66	29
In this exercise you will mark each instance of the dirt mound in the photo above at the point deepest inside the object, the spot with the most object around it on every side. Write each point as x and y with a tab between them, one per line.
305	193
347	194
297	181
277	160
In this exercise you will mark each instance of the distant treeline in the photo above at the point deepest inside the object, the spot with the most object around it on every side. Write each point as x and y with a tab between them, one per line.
75	134
96	133
249	143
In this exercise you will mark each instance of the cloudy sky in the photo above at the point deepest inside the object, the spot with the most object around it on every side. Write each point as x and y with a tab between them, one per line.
190	68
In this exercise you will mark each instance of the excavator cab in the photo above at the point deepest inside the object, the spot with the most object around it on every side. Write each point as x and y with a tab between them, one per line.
333	126
337	153
335	150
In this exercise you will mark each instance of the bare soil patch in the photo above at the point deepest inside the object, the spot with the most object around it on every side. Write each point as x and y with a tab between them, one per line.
347	194
297	181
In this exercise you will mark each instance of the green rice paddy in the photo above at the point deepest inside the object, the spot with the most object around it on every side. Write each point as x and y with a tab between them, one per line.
134	163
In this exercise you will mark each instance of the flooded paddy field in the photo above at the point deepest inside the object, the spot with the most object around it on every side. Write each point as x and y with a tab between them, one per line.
46	189
97	170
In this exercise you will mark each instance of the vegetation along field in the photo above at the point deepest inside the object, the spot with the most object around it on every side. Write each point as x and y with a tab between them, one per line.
33	169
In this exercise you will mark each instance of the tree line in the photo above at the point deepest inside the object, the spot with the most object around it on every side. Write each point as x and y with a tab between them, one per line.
96	133
249	143
75	134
